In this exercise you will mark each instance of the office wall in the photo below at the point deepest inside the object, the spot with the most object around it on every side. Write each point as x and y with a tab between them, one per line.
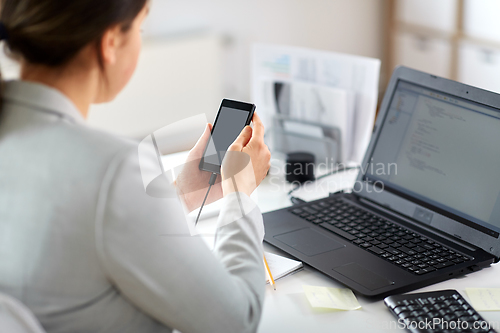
176	78
224	31
352	26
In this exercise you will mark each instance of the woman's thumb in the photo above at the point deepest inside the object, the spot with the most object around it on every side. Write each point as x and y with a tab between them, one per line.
242	139
203	140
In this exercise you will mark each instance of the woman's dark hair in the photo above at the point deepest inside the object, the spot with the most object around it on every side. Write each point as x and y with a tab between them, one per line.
52	32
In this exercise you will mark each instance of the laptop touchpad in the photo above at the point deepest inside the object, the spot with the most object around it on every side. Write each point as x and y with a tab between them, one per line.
309	242
368	279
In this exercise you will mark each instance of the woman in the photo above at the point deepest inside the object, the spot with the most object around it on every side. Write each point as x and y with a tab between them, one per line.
81	243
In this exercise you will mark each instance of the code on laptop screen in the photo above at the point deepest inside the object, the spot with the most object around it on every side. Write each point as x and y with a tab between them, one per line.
442	150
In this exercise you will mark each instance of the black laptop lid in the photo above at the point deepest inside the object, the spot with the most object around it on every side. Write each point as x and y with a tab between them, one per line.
435	157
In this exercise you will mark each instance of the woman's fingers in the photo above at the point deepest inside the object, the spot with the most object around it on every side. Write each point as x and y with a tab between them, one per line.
250	142
205	136
258	127
242	139
200	145
257	140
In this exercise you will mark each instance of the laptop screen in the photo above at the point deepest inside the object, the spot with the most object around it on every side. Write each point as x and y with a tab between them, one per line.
441	151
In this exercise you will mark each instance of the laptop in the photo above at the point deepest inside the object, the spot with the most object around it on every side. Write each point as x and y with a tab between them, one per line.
425	206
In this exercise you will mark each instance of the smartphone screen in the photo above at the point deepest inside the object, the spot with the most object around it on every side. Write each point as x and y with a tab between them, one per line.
229	123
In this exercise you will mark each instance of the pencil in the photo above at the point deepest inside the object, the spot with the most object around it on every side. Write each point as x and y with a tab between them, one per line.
271	280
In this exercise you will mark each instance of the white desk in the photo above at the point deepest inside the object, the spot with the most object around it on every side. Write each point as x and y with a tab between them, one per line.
287	309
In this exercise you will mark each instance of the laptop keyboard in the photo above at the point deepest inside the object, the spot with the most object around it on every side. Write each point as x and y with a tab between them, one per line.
398	245
437	311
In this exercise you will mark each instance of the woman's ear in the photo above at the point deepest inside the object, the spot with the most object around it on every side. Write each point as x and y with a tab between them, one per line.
110	42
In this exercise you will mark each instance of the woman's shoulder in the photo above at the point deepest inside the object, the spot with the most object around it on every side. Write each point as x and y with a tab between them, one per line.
100	140
96	146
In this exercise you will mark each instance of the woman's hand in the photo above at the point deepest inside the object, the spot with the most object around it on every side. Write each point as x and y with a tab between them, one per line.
254	162
192	183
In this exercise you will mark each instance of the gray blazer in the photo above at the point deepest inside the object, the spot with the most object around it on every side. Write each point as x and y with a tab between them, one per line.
87	250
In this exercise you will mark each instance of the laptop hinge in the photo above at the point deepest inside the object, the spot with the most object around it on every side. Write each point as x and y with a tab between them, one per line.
418	224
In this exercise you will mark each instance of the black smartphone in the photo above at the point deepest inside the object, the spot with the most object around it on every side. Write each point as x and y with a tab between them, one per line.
232	117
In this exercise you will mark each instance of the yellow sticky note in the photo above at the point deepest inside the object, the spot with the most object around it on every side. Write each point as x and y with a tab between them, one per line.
331	298
484	299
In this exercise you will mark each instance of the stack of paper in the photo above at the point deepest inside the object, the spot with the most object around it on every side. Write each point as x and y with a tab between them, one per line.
329	88
281	266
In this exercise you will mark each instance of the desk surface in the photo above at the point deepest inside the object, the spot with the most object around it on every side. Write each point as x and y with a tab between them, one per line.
287	308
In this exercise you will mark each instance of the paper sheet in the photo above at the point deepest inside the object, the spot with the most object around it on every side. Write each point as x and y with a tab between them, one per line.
484	299
331	298
324	105
281	266
354	78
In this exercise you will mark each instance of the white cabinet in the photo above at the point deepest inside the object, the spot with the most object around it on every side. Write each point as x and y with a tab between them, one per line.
425	53
479	66
481	19
424	35
479	51
456	39
435	14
